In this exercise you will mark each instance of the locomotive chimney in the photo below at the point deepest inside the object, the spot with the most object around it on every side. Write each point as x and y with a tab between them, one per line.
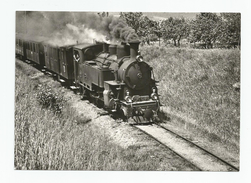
134	48
123	50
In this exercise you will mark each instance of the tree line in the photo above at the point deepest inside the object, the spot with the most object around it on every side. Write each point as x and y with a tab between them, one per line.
206	30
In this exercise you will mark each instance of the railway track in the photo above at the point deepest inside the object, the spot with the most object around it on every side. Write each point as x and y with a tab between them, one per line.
196	155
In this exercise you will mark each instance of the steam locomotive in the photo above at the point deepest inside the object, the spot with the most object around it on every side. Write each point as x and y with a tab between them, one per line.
112	76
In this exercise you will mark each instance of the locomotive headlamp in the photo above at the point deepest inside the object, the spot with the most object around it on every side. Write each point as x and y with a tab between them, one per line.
154	95
139	58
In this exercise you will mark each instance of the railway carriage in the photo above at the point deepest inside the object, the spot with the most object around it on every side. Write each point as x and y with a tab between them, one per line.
20	48
51	58
34	50
31	49
66	67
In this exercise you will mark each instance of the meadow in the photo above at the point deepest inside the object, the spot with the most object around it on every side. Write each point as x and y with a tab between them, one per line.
199	84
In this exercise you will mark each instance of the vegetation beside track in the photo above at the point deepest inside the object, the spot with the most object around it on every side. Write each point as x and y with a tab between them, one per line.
199	84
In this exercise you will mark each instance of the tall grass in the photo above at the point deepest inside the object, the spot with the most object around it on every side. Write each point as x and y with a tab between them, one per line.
199	83
48	140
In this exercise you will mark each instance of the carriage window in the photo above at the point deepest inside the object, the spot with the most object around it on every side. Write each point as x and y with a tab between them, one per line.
33	47
45	50
55	52
62	55
51	52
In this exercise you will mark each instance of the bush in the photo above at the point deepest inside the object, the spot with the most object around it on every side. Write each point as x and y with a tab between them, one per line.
49	99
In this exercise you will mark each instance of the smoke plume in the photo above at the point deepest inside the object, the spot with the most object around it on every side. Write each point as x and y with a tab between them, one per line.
64	28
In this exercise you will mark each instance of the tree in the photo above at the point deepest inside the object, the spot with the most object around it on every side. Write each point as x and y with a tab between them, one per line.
158	29
205	28
175	29
231	28
132	19
144	27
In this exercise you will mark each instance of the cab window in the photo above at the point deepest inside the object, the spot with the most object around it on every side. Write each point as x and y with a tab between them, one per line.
76	56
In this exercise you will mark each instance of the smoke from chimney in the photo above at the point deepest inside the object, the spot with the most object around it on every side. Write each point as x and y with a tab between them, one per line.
62	28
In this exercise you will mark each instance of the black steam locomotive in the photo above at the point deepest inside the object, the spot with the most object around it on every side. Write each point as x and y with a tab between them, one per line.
112	76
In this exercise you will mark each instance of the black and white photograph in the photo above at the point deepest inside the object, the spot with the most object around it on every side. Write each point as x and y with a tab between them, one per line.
128	90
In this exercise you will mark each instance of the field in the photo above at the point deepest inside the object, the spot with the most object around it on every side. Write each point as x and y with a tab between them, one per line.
198	84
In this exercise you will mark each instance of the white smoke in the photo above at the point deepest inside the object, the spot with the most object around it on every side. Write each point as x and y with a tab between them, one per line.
73	34
66	28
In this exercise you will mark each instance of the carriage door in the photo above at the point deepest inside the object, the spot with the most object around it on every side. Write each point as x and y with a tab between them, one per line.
62	58
76	60
46	57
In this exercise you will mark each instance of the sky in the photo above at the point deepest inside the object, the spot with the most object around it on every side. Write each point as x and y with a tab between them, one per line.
164	15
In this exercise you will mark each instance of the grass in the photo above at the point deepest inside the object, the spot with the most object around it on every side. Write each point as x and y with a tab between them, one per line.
47	138
199	83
